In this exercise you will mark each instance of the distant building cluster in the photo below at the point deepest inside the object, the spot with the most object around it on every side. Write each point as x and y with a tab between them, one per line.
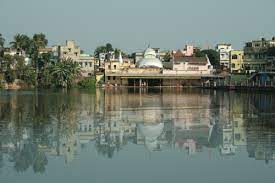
155	67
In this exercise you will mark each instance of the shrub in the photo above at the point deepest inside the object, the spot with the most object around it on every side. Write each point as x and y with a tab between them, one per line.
88	83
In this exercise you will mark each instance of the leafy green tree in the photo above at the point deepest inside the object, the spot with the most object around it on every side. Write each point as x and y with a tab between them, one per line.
88	83
118	51
10	75
29	76
100	49
167	57
8	68
104	49
271	52
7	62
109	47
198	53
45	78
19	66
213	56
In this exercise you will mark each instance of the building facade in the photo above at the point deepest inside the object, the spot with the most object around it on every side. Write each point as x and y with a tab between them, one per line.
224	53
236	61
256	58
150	71
70	50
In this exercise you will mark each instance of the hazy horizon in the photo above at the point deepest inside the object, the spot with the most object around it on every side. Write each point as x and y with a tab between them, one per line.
132	25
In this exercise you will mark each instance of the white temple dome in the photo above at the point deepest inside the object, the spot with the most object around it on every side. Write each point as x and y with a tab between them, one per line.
150	53
150	60
151	132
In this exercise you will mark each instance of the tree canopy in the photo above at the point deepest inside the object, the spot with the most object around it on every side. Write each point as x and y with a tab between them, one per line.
213	56
2	41
21	41
271	52
65	72
106	49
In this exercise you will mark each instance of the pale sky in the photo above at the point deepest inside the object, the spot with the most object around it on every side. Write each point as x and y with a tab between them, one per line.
133	24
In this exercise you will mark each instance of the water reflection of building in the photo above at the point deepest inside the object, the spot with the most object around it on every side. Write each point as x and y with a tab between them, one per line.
155	137
239	130
109	121
227	147
261	141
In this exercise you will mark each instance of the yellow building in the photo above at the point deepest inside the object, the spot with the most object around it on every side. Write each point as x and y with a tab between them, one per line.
236	61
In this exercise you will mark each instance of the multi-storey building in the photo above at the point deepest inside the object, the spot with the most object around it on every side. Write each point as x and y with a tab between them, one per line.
256	58
236	61
224	52
70	50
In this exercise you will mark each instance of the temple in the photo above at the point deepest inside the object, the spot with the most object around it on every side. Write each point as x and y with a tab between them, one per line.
150	71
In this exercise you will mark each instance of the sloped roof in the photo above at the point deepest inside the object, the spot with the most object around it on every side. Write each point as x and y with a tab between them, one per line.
192	60
179	54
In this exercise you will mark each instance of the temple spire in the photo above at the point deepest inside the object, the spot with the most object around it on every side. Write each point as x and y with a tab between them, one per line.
120	58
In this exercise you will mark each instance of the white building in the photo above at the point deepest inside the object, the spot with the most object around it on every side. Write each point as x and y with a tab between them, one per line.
110	56
17	52
189	66
224	52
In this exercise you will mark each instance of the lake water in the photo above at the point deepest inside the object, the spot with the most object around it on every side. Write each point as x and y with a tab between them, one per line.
137	136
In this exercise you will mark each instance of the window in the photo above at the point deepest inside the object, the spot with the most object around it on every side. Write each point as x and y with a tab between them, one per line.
233	66
114	78
91	65
235	57
70	49
114	66
238	136
86	64
64	53
109	66
109	77
76	53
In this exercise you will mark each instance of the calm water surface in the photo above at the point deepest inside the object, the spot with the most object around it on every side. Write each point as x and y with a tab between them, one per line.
137	136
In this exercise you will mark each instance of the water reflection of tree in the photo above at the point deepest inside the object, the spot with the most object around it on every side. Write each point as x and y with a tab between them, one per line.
111	145
30	126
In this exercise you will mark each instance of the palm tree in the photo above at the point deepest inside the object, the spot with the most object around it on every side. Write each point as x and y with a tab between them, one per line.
21	42
65	73
2	41
40	40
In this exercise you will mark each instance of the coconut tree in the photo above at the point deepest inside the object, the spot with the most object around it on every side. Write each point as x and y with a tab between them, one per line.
2	41
65	73
40	40
21	42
